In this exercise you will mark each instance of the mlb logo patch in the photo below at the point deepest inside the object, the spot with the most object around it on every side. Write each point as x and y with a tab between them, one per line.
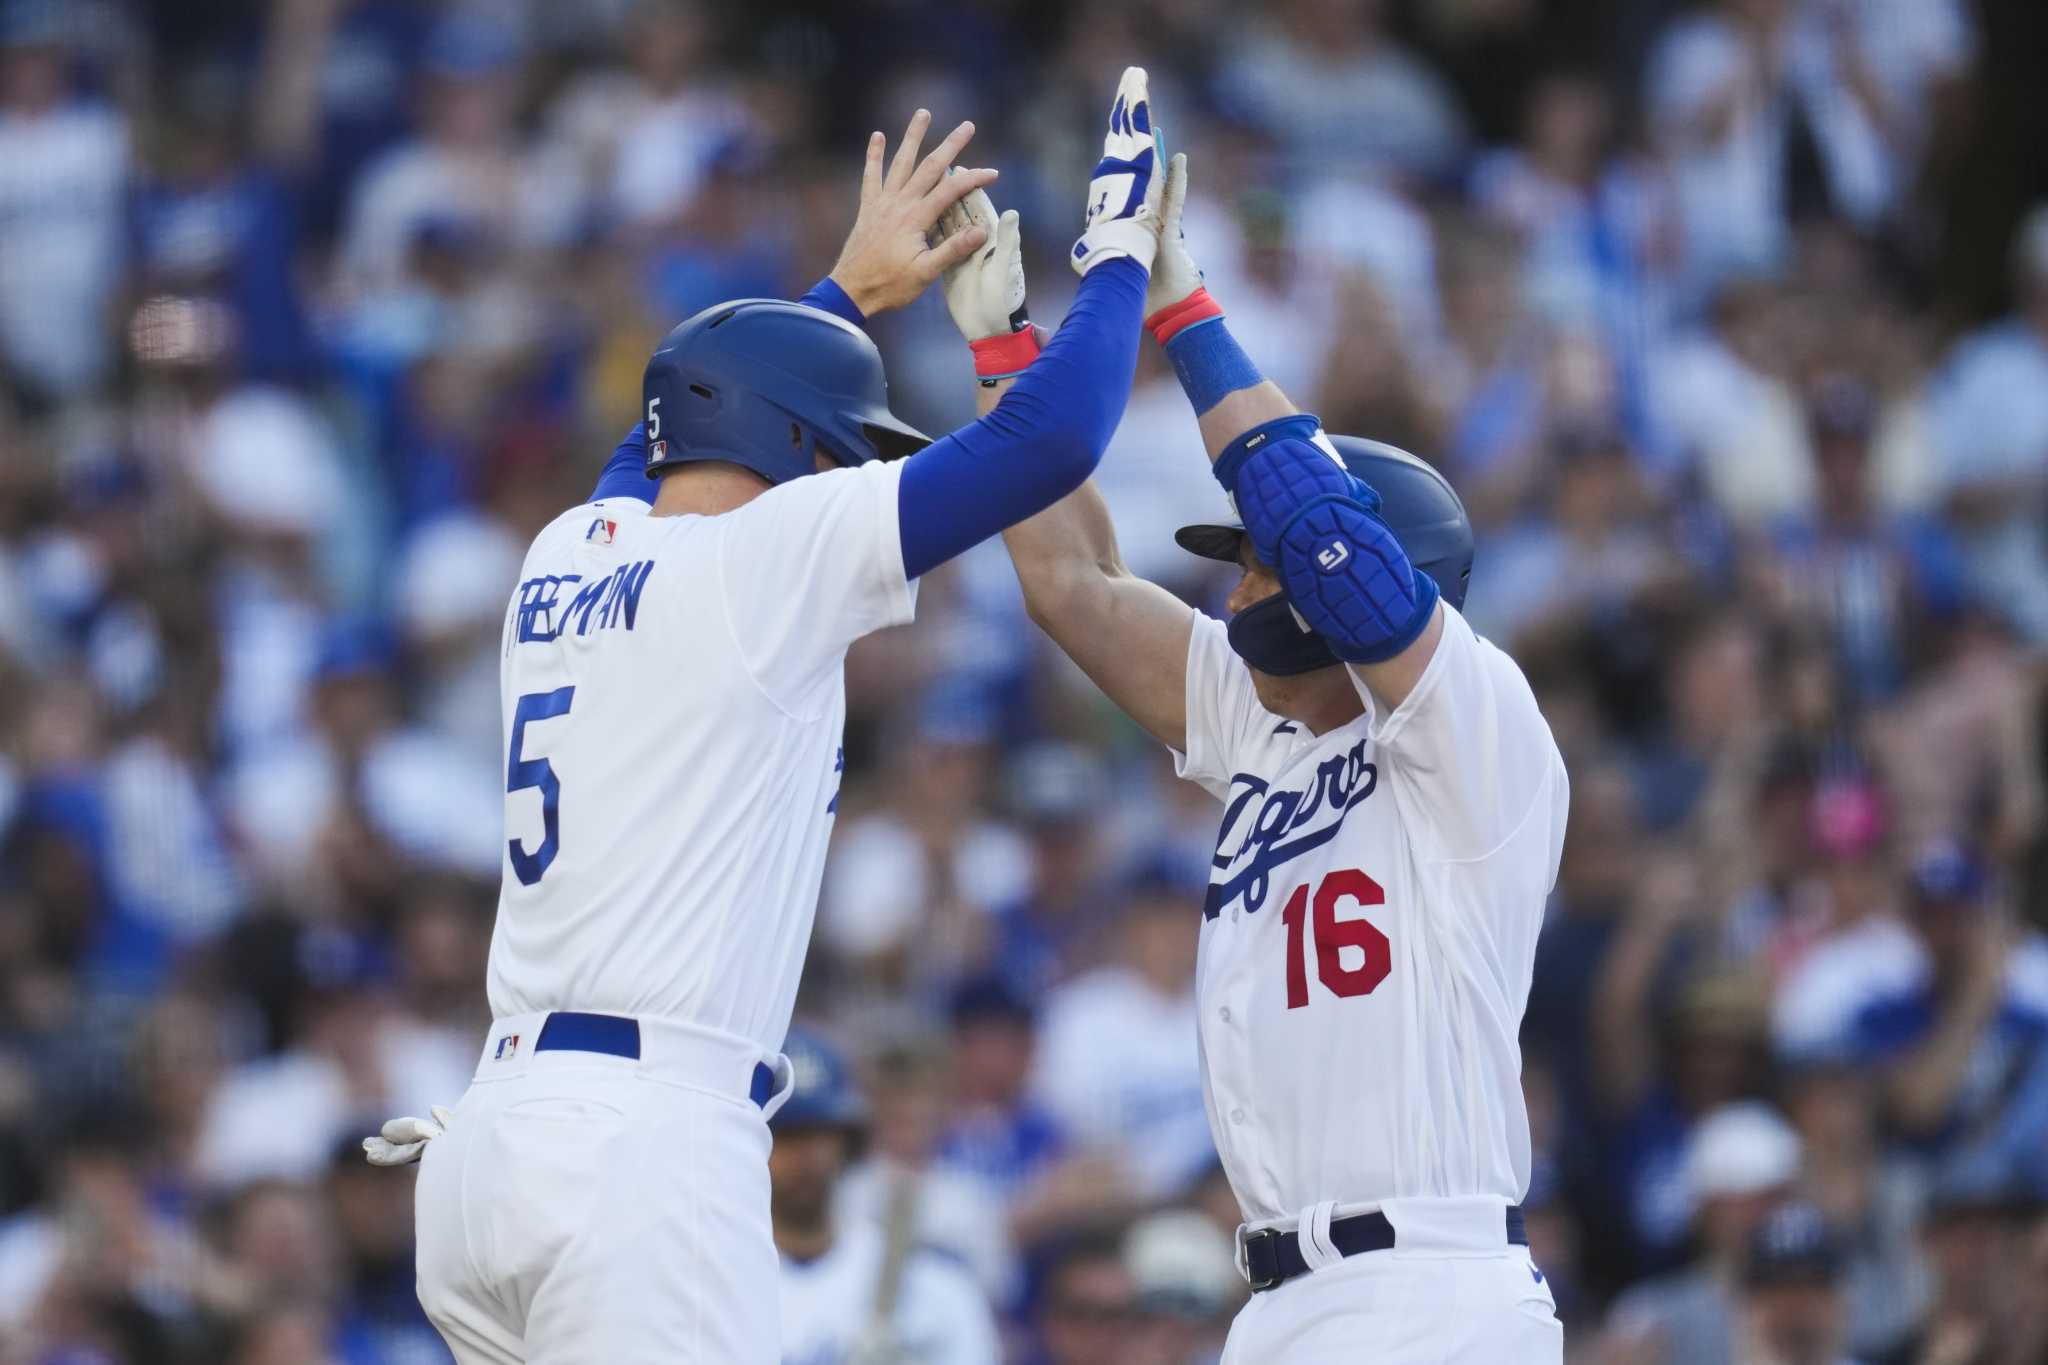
508	1046
601	531
657	451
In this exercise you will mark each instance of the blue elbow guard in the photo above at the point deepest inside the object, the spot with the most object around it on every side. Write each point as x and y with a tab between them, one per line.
1319	527
1350	579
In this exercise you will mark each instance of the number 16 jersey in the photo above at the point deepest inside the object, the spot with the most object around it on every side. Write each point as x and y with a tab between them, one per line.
1370	929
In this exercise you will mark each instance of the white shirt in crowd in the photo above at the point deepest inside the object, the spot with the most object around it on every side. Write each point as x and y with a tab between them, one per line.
828	1306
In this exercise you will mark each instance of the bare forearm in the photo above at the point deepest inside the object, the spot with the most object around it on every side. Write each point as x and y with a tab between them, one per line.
1129	636
1072	540
986	396
1239	412
1072	537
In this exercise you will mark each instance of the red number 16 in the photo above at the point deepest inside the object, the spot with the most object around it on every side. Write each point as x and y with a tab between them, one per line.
1333	935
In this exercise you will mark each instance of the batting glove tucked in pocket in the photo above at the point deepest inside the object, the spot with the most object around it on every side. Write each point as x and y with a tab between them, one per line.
1124	194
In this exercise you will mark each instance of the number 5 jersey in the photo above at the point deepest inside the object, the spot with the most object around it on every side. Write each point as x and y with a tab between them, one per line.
674	700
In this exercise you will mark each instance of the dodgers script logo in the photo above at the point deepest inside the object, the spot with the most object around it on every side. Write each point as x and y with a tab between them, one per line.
1285	825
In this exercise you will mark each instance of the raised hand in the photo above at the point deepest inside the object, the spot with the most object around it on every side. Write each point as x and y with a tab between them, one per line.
1123	211
887	260
984	289
1174	273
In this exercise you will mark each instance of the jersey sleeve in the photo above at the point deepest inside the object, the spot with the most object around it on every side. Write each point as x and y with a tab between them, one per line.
1473	752
1224	715
809	567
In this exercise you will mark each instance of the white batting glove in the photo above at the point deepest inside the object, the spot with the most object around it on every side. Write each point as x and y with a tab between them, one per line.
1124	195
1175	298
1174	273
985	291
402	1140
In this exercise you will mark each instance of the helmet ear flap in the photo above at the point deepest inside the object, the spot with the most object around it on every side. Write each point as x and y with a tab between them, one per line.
806	446
890	444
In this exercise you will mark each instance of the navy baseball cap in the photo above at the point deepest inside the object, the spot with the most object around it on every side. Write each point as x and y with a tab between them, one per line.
822	1091
988	998
354	647
1793	1245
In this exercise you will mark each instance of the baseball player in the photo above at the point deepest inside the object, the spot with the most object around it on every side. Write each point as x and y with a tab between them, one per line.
1394	808
858	1292
673	703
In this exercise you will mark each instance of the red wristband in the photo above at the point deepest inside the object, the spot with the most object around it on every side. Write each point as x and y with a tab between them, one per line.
999	357
1176	317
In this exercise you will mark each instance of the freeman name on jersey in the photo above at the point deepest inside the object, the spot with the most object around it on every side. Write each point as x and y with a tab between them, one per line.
601	604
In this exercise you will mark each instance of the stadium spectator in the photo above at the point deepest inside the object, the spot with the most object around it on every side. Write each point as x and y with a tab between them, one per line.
1327	79
1976	1234
1728	318
1742	1160
1088	1309
1991	416
1949	1008
1792	1310
1187	1285
1140	1102
64	168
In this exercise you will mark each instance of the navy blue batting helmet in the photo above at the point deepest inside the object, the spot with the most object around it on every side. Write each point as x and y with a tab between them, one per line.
766	385
822	1093
1417	503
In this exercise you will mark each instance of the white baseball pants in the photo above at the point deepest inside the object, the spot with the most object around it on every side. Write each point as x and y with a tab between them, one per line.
1450	1292
587	1209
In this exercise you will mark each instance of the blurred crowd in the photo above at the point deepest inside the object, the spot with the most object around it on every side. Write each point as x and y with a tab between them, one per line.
1729	319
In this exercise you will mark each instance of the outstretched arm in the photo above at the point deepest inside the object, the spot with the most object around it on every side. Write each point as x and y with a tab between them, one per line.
1043	437
1128	635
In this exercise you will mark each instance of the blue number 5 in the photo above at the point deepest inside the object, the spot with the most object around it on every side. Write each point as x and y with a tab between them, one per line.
521	773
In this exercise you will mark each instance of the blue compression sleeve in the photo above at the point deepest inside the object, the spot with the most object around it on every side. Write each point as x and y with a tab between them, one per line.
827	294
1210	363
1042	441
625	473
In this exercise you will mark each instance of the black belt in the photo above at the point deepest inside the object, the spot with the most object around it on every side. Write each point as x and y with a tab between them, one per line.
1273	1257
617	1036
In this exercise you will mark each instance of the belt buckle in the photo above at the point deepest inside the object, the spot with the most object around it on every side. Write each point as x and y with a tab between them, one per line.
1270	1278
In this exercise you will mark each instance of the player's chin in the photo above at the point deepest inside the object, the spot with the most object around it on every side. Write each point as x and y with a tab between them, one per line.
1289	694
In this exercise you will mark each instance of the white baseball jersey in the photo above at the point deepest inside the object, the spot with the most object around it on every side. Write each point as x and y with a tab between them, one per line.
1370	928
674	699
941	1316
